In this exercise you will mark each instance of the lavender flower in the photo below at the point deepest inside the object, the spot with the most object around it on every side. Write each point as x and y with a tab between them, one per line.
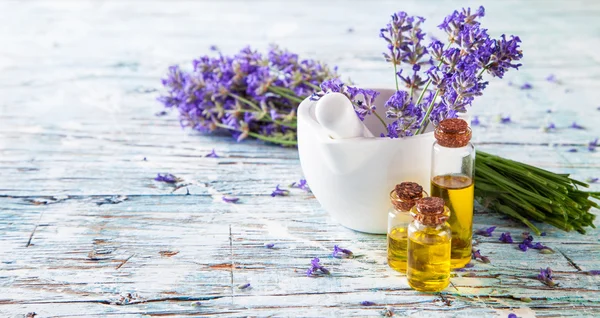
367	303
593	144
302	184
526	86
279	192
477	255
269	245
244	286
475	121
506	238
212	154
486	232
574	125
338	250
545	276
512	316
550	126
527	242
594	272
572	150
230	199
543	234
167	178
316	266
505	120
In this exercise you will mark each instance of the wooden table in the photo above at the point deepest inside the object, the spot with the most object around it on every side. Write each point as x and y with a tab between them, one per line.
79	135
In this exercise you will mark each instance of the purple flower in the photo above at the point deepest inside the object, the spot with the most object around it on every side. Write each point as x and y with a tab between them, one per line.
244	286
527	242
551	78
594	272
591	180
572	150
506	238
545	276
550	126
574	125
405	114
543	234
486	232
269	245
316	266
367	303
512	316
526	86
279	192
505	120
301	185
212	154
477	255
475	121
230	199
338	250
167	178
593	144
145	159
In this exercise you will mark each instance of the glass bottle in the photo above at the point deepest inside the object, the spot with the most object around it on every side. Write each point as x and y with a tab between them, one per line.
429	245
403	198
452	171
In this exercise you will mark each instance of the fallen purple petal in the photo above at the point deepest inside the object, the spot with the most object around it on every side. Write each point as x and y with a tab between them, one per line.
545	276
505	120
475	121
593	144
506	238
574	125
486	232
551	78
512	316
594	272
550	126
230	199
572	150
301	184
476	255
269	245
367	303
526	86
279	192
212	154
244	286
167	178
591	180
338	250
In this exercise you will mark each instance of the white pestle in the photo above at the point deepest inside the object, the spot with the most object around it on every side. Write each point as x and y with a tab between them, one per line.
335	113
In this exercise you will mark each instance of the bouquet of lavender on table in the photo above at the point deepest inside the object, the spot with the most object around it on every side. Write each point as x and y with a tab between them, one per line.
256	96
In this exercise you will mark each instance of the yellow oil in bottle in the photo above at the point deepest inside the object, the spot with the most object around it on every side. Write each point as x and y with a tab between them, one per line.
429	260
458	193
397	247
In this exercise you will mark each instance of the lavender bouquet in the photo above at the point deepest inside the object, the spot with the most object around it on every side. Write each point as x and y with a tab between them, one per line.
251	95
246	95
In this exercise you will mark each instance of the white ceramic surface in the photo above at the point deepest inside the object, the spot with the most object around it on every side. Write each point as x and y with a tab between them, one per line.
352	178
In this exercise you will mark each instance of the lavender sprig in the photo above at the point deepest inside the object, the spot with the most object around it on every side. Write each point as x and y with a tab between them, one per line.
316	266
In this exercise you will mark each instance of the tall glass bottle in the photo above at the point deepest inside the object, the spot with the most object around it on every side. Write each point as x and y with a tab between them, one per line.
429	240
403	198
452	172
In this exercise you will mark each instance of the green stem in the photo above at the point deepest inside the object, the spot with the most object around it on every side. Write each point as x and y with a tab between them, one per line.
429	109
276	90
242	99
309	84
261	137
381	120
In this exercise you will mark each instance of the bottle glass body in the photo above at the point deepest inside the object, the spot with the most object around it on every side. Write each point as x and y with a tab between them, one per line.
397	234
452	180
428	267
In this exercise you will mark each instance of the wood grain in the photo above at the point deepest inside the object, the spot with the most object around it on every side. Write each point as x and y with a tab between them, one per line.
85	231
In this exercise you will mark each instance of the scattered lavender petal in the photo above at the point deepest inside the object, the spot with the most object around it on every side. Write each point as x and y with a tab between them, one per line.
350	30
506	238
212	154
486	232
549	111
244	286
269	245
512	316
475	121
505	120
574	125
591	180
338	250
572	150
316	266
594	272
526	86
279	192
545	276
543	234
230	199
167	178
213	48
301	184
593	144
367	303
477	255
161	113
550	126
145	159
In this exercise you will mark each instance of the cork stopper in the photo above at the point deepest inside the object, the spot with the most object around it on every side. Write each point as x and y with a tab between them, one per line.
453	133
405	195
430	211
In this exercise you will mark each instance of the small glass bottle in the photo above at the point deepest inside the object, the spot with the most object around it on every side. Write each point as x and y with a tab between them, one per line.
429	241
403	198
452	171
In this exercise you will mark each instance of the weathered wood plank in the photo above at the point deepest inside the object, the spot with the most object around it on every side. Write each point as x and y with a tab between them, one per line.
77	119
